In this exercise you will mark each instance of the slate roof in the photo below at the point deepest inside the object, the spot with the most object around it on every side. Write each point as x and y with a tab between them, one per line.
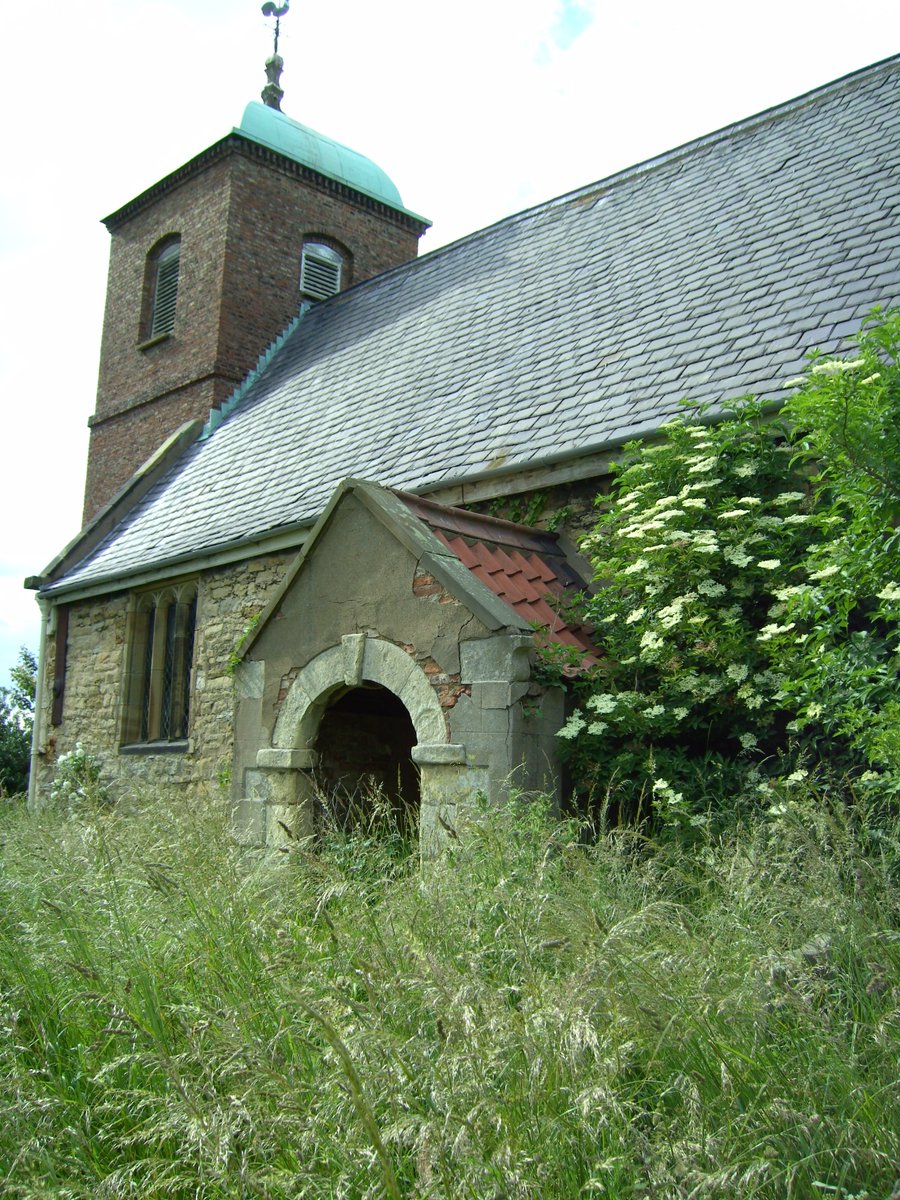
525	567
708	272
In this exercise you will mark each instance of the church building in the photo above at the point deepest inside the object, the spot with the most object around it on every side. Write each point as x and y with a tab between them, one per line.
335	490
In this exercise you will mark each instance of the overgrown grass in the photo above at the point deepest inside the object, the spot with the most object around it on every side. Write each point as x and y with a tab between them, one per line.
531	1017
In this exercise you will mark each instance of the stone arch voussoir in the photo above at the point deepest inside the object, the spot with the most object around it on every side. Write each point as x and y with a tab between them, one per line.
358	658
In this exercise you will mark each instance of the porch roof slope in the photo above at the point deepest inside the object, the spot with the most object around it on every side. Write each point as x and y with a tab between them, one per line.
708	272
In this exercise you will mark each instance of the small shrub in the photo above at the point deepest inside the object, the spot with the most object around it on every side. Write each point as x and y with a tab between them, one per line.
77	782
16	721
748	602
843	655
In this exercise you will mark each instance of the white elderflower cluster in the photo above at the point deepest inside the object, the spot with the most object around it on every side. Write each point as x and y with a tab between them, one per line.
796	589
672	613
750	696
709	587
700	466
738	556
837	366
651	641
891	592
664	790
605	702
769	631
573	726
705	541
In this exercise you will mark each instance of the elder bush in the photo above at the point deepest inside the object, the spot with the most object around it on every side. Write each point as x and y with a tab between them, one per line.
748	601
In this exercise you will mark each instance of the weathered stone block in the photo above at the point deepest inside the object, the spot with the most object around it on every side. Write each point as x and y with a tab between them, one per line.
497	693
249	678
354	648
248	820
440	753
505	657
286	760
287	823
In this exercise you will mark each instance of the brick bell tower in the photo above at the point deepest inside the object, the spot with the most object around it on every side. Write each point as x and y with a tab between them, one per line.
209	264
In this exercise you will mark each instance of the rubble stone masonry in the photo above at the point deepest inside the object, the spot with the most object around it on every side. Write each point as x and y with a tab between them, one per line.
229	599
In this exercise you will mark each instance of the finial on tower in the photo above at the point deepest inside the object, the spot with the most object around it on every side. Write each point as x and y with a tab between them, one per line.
272	92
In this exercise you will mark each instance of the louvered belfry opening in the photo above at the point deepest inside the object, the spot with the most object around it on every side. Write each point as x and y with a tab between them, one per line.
165	289
366	777
320	271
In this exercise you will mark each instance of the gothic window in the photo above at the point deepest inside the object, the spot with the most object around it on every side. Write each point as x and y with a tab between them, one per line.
321	268
161	288
158	683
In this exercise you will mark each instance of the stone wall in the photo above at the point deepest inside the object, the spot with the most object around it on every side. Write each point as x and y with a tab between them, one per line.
229	599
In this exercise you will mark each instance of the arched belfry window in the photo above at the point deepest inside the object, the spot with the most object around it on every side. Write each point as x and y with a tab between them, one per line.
162	279
321	269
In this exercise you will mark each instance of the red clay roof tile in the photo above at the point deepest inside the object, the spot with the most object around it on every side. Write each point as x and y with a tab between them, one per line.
525	567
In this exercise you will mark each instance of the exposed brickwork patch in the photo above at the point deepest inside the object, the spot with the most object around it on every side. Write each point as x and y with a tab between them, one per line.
427	587
285	686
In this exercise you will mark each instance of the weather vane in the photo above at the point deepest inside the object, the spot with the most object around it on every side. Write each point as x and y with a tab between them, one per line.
273	92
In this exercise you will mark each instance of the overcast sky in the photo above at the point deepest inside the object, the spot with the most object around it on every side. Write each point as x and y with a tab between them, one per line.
476	109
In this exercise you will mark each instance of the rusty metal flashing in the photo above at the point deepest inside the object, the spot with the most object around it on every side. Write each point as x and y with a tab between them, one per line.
237	143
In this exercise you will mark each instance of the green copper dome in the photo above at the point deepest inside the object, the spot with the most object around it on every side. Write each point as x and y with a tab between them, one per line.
270	127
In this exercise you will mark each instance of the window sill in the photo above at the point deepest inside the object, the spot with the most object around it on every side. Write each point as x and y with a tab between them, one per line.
185	746
155	341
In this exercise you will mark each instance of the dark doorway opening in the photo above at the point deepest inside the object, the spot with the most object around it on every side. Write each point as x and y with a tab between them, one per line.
365	771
